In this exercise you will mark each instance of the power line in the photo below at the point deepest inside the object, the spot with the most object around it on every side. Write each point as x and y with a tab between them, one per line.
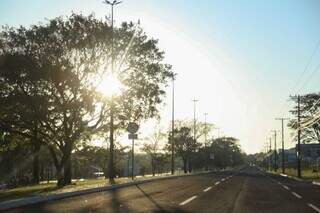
297	82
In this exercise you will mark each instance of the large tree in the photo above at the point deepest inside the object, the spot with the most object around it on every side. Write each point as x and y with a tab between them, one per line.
185	146
69	58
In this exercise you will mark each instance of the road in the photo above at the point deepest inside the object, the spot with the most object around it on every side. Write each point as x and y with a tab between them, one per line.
248	190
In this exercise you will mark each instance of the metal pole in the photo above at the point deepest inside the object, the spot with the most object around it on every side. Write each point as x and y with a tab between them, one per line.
132	152
172	130
299	138
282	139
275	150
270	154
111	163
194	118
205	141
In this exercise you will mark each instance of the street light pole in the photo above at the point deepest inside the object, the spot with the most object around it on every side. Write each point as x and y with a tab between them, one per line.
275	150
194	118
205	141
111	133
172	128
282	139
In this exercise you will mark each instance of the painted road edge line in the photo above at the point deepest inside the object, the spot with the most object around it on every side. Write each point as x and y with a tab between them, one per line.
217	183
188	200
314	207
207	189
295	194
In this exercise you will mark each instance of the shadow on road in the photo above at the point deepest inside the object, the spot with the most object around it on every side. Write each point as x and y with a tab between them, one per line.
159	207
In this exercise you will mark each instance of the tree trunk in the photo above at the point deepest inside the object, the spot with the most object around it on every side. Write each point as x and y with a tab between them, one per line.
36	162
185	166
153	167
67	165
189	165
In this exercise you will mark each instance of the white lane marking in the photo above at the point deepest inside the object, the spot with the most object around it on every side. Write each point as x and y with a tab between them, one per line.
286	187
295	194
216	183
207	189
223	179
188	200
314	207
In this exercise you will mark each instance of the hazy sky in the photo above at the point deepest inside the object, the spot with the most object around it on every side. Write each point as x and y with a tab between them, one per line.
241	59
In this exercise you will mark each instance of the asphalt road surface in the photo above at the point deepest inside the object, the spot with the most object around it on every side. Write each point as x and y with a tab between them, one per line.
248	190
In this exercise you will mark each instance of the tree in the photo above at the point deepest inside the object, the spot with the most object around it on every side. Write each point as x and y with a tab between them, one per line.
21	100
153	148
309	106
185	146
227	152
69	56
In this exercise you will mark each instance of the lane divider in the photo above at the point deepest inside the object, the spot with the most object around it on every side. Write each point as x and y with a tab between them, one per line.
188	200
295	194
286	187
207	189
314	207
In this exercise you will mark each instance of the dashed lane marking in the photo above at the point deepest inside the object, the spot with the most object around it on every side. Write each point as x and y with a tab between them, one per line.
207	189
286	187
223	179
188	200
314	207
295	194
217	183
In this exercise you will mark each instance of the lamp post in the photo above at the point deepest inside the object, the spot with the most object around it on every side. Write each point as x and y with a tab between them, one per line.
172	128
205	141
111	132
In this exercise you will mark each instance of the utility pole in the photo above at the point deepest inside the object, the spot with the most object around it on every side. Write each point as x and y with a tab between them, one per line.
270	153
111	148
299	138
172	128
275	150
282	139
194	118
205	141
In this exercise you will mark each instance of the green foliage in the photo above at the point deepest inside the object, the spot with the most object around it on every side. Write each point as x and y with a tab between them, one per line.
49	75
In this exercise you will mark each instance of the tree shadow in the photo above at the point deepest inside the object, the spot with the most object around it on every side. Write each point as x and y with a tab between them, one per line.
159	207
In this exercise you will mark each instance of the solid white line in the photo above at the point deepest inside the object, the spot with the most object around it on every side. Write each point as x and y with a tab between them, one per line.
314	207
207	189
286	187
295	194
216	183
188	200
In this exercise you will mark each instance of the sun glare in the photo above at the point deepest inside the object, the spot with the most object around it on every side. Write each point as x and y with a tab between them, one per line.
110	86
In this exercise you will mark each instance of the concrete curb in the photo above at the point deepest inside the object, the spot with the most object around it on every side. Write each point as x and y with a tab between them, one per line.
10	204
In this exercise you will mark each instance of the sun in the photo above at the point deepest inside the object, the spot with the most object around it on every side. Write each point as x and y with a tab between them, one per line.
110	85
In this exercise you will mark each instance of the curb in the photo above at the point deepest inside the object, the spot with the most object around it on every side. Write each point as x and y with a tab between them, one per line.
10	204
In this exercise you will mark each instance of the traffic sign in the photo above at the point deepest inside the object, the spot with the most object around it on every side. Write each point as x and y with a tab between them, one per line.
133	136
132	127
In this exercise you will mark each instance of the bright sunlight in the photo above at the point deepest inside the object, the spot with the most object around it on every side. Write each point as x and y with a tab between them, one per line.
110	85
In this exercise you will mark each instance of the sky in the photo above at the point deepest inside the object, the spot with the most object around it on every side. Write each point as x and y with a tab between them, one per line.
241	59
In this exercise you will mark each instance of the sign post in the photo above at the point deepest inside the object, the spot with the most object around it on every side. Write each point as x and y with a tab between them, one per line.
132	129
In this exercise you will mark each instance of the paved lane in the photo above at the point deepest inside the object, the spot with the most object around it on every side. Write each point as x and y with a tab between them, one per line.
249	190
158	196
